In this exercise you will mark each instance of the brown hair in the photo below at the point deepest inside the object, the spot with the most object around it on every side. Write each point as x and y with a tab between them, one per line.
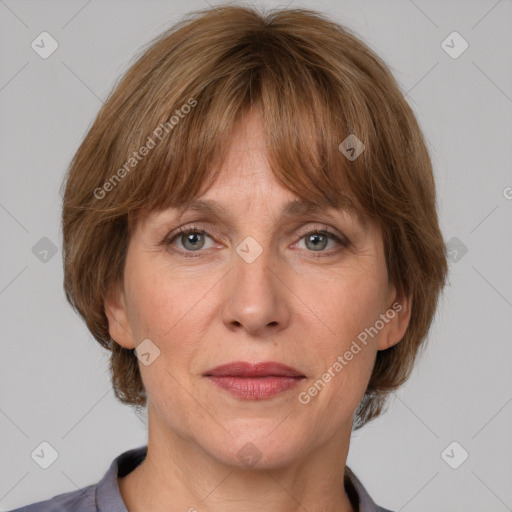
315	83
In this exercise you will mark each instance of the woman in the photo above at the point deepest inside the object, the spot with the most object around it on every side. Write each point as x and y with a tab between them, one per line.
250	228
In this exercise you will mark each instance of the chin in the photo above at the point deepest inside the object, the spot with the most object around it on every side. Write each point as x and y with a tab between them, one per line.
257	450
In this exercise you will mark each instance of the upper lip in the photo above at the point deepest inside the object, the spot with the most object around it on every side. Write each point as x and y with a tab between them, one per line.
246	369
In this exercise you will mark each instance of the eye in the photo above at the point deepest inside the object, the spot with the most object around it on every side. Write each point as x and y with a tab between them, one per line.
318	239
191	239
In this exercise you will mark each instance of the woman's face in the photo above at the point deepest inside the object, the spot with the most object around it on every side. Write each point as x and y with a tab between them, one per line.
255	287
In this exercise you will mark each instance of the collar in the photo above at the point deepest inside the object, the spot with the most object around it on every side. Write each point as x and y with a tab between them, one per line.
108	496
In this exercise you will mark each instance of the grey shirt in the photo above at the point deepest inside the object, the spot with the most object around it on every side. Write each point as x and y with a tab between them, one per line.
105	496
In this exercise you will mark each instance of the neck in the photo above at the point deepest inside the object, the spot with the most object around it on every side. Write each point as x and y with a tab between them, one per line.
178	475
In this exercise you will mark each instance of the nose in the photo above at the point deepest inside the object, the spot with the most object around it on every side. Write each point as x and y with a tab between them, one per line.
257	298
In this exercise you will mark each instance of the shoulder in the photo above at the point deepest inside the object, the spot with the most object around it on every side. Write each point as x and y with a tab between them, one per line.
81	500
103	496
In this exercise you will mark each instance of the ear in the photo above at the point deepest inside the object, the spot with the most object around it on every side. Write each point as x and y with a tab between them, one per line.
118	319
397	314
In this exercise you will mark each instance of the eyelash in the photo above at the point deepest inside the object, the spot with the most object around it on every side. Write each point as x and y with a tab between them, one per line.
344	242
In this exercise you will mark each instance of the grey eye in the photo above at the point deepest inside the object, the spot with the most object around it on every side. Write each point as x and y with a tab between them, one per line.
193	241
316	241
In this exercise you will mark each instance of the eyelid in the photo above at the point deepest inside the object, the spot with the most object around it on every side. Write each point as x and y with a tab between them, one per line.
200	228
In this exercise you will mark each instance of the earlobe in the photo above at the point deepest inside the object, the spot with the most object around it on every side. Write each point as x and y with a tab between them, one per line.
398	315
118	319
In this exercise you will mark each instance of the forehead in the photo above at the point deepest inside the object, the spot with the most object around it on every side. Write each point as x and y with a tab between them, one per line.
246	171
291	208
245	180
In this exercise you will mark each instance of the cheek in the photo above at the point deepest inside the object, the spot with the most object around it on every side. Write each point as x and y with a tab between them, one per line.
161	300
339	308
340	304
173	310
167	309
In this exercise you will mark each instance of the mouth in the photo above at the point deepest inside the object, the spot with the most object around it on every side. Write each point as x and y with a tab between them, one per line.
255	381
245	369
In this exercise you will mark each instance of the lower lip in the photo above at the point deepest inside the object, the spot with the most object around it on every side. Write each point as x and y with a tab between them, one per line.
255	388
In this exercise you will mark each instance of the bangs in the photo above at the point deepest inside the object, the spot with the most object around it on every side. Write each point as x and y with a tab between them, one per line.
303	133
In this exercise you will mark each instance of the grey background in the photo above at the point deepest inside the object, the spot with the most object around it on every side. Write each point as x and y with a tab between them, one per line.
54	383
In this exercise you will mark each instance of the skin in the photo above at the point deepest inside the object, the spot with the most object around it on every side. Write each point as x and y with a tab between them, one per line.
287	306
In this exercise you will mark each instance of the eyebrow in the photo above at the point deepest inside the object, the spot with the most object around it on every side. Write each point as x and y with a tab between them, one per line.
293	208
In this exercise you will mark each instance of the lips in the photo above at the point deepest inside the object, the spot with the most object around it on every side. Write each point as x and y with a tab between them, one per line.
254	381
248	370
